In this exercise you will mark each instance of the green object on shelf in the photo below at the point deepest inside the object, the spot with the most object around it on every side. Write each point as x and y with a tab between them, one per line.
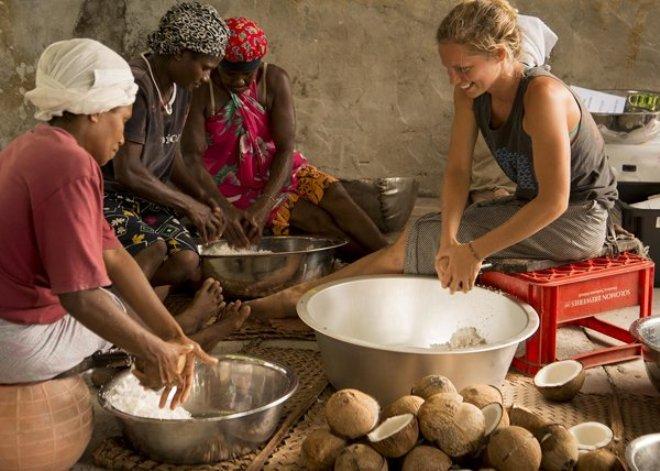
643	101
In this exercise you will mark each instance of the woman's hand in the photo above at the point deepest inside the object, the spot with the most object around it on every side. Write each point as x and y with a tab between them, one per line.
254	219
171	363
457	267
207	220
234	232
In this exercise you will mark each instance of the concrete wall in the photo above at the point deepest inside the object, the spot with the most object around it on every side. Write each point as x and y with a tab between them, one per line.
371	96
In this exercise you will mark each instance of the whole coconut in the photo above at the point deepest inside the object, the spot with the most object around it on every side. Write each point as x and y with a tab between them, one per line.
351	413
426	458
404	405
525	418
320	449
456	427
599	460
514	449
558	447
360	457
481	395
432	384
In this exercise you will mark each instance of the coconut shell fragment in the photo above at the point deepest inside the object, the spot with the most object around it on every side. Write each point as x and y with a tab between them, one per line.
514	449
426	458
560	381
351	413
559	448
360	457
432	384
525	418
320	449
396	436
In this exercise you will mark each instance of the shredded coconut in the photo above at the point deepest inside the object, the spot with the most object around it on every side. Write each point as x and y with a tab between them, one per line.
464	337
130	397
225	249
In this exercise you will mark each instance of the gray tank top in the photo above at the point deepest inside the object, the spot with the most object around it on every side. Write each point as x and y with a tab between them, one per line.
591	176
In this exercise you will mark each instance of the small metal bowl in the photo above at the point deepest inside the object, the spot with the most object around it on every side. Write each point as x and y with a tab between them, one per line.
643	453
295	259
647	331
631	127
236	406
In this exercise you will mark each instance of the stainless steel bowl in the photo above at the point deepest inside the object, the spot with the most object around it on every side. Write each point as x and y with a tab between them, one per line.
236	406
376	333
632	127
643	453
295	260
647	331
388	201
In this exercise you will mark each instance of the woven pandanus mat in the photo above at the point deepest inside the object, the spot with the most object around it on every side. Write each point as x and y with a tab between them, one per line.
276	329
114	453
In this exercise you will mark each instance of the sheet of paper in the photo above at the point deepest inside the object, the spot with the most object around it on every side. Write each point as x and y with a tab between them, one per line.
600	102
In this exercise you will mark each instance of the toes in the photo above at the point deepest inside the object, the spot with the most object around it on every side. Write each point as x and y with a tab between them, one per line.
207	285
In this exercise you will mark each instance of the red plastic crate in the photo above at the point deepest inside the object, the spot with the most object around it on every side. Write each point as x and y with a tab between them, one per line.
574	294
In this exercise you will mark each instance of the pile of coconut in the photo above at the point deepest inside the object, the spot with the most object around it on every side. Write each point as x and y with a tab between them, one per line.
437	428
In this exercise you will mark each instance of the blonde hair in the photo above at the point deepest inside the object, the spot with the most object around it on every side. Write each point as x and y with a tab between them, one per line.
482	25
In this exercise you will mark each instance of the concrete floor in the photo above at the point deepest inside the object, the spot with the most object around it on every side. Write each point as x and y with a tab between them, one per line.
627	377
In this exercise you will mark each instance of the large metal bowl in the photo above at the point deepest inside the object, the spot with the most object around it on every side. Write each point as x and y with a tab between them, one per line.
643	453
236	406
375	332
647	331
631	127
388	201
295	260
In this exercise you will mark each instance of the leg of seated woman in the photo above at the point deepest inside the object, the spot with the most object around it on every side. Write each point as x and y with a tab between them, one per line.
351	218
388	260
311	219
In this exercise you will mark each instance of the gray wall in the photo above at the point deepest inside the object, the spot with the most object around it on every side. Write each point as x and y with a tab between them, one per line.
371	96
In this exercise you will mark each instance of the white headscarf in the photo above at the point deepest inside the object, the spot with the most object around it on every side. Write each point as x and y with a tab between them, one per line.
81	76
537	40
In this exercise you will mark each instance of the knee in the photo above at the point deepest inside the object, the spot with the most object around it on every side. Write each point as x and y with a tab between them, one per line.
186	263
156	251
337	194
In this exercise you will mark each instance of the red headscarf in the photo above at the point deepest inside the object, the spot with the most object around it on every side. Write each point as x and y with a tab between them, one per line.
247	41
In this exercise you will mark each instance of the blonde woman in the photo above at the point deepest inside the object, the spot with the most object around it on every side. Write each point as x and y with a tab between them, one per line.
540	135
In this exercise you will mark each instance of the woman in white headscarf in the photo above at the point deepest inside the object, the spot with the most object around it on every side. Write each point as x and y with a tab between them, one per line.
58	250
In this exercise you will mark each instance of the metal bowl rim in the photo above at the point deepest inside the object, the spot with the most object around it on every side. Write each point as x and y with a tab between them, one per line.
303	313
288	373
333	244
636	444
637	326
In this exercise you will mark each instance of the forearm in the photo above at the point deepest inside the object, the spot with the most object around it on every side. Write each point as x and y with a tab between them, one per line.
145	185
279	173
455	192
530	219
134	288
187	180
97	311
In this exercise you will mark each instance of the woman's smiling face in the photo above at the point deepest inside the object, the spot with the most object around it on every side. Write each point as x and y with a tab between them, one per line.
472	72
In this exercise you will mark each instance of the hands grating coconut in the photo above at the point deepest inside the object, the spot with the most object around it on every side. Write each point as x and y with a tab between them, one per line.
130	397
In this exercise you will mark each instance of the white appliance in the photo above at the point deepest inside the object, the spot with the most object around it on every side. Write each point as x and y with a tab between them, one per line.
635	162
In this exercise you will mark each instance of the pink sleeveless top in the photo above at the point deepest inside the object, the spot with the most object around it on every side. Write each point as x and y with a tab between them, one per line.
240	149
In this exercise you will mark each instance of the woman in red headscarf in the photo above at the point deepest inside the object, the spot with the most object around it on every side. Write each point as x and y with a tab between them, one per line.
239	142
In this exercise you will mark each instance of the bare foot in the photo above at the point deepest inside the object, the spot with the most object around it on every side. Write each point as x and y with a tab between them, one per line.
231	318
276	306
207	303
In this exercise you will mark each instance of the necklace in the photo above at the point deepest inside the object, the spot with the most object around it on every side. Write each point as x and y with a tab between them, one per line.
166	106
